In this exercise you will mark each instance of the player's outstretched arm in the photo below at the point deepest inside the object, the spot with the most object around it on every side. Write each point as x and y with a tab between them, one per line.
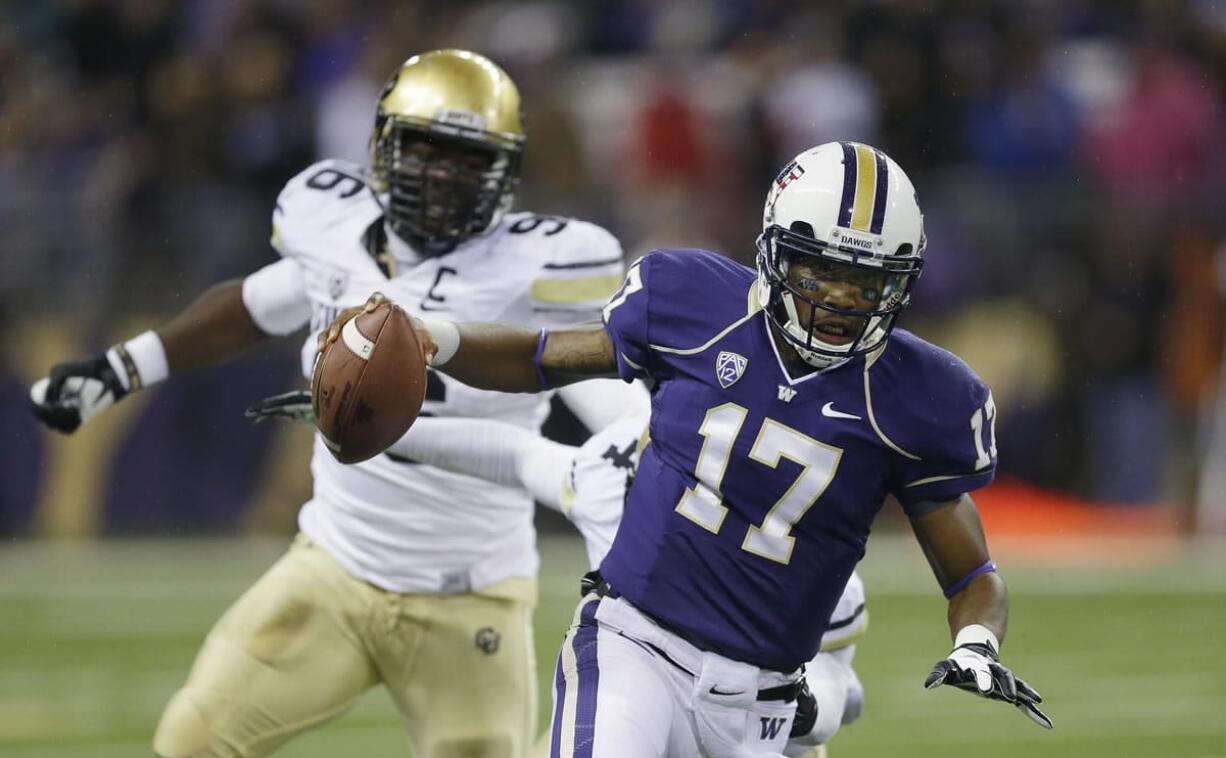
514	359
491	450
214	327
502	357
952	538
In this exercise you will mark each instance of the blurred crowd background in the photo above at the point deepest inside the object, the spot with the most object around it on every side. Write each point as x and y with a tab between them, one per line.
1068	154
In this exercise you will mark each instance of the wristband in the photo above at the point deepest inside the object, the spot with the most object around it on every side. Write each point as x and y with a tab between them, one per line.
140	362
977	634
446	337
541	379
962	583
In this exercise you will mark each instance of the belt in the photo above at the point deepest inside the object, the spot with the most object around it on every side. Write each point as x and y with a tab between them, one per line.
593	582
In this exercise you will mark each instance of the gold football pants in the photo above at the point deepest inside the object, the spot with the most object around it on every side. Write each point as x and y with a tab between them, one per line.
308	639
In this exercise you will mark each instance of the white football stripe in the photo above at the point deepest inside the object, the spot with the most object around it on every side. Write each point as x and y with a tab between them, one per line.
355	340
38	392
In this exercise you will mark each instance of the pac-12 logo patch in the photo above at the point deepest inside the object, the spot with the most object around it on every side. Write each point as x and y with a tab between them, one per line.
729	367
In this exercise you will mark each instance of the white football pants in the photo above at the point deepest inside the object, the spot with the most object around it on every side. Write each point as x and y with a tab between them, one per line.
839	695
625	687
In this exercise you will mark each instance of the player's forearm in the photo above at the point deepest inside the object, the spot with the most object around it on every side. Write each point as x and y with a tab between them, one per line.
482	448
579	353
951	536
985	601
513	359
494	357
491	450
216	326
598	403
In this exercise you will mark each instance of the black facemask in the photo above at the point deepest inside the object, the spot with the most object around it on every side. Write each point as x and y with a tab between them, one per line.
443	189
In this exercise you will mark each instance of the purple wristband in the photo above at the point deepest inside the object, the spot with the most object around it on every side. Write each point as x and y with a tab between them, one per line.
541	379
962	583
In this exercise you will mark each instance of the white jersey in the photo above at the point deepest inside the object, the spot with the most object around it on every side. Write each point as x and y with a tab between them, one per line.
594	493
390	521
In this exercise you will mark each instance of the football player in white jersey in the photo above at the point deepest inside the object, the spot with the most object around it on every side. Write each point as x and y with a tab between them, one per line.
588	485
403	574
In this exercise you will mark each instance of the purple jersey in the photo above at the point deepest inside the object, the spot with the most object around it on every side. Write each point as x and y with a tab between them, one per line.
753	500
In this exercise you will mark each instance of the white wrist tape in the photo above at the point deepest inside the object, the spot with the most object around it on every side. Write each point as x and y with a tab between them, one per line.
977	634
140	362
447	336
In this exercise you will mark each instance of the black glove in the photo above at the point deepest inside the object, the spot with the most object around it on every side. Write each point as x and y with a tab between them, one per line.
806	712
291	406
74	392
590	582
975	667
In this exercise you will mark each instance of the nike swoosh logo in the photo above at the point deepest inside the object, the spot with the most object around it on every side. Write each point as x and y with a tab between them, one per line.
829	412
717	691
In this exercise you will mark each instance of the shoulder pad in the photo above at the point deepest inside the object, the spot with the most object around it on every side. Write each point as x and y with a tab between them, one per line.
323	196
696	264
558	242
579	264
921	391
695	294
676	302
932	408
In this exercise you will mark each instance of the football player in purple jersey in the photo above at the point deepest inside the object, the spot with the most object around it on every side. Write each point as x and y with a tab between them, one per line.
786	410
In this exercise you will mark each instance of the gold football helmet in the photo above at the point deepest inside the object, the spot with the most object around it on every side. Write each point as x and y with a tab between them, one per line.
446	148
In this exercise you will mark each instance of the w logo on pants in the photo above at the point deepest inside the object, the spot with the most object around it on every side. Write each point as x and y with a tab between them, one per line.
771	726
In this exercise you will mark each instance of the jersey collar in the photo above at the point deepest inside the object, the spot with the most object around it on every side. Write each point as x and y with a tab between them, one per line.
783	366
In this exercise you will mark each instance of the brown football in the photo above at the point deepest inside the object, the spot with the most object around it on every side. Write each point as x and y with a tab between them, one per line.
368	385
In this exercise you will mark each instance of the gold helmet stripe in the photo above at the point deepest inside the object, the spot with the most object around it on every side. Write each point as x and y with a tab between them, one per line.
864	188
866	185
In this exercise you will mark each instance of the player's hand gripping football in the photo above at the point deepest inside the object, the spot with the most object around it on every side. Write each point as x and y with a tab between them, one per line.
974	665
333	332
74	392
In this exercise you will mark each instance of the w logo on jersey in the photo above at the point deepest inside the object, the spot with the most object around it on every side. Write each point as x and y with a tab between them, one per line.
771	725
729	367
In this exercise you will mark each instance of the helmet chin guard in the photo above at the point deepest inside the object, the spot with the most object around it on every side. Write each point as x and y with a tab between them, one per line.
849	212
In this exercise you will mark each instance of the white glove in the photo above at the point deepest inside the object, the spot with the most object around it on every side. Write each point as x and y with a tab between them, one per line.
75	392
974	665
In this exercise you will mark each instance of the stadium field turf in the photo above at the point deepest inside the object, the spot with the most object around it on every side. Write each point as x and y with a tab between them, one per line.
95	636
